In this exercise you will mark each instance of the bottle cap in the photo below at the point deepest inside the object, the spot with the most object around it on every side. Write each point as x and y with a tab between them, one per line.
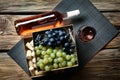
73	13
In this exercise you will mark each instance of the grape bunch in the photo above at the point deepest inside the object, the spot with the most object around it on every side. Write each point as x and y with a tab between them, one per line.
49	58
56	38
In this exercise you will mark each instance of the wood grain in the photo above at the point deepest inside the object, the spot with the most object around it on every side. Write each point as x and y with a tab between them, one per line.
105	65
9	37
8	41
115	43
9	70
27	5
42	5
113	17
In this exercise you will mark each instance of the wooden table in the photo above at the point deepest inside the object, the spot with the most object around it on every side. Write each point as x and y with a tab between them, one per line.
104	66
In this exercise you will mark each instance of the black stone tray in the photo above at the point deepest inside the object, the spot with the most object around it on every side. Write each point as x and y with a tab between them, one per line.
89	16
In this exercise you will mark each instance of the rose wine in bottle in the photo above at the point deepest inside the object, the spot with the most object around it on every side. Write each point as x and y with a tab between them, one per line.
26	26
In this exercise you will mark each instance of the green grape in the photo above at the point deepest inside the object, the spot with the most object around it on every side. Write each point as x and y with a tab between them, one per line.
41	56
51	67
55	65
37	52
44	48
55	60
47	68
40	47
60	65
69	64
38	58
45	60
40	61
42	66
73	56
73	60
52	55
46	56
36	48
43	53
55	51
68	57
49	51
60	59
63	54
50	59
64	63
59	50
59	54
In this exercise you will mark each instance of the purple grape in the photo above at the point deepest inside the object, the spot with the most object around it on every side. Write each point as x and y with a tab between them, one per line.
64	49
49	44
72	46
71	50
47	32
56	39
58	43
51	31
67	36
64	33
60	33
69	40
51	39
38	38
56	31
54	34
61	38
45	40
41	43
49	35
66	44
36	44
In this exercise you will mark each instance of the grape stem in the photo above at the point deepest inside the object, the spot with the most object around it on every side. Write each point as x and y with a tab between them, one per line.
70	32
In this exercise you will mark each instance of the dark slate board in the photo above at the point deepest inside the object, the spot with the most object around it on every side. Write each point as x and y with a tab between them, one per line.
90	16
17	53
86	50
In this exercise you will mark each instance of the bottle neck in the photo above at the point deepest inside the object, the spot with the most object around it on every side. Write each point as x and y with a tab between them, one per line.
71	14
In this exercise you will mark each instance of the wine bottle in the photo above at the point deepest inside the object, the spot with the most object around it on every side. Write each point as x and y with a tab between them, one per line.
28	25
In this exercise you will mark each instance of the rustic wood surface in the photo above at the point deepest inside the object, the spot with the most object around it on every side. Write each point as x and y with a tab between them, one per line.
104	66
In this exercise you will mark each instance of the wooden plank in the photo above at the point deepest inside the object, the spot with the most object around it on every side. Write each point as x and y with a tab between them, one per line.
113	17
9	70
107	6
7	21
45	5
27	5
105	0
8	36
104	66
8	41
115	43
